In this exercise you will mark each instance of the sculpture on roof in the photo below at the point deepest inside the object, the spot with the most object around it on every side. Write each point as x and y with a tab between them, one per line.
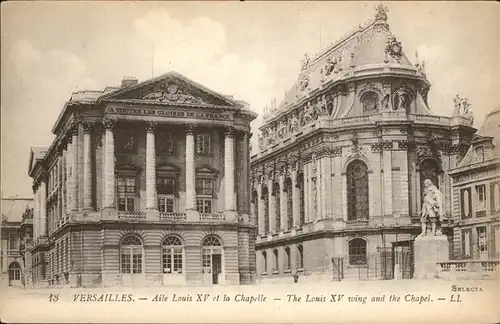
304	82
394	48
321	107
281	129
307	114
432	208
294	124
381	12
330	66
262	142
462	108
305	62
171	93
401	100
271	136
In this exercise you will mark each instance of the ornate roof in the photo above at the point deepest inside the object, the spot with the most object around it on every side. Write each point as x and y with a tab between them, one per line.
487	135
365	47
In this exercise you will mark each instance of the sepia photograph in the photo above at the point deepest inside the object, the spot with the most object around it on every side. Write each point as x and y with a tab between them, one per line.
250	162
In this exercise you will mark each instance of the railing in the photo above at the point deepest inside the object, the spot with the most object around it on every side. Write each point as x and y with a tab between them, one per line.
172	216
469	269
131	215
212	216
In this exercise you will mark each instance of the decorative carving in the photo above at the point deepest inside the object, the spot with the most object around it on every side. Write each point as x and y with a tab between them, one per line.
387	145
330	66
294	124
281	129
304	82
381	12
229	131
307	115
73	128
262	144
402	99
370	102
377	147
108	124
87	127
337	151
305	62
271	136
394	48
150	126
321	107
463	108
314	195
172	93
403	145
426	151
356	151
190	128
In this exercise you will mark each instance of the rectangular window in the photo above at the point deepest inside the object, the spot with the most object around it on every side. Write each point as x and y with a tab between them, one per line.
482	242
205	258
137	263
126	193
13	242
264	261
203	144
126	262
204	205
204	187
465	203
165	143
166	204
166	185
480	200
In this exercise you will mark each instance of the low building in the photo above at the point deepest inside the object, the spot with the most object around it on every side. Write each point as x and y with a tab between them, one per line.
145	184
14	210
476	195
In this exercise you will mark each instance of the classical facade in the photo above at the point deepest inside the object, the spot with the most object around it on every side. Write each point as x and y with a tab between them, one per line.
16	220
145	184
476	195
337	184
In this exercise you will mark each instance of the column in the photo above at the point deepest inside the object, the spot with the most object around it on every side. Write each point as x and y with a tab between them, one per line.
229	198
36	213
109	164
272	217
295	199
319	189
74	168
306	193
247	187
150	167
337	193
283	199
87	167
387	160
190	173
69	151
260	208
63	190
43	206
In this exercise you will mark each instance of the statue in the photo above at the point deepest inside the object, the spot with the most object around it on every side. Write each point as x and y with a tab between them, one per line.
307	115
281	129
402	102
262	143
321	107
462	108
432	208
294	124
305	62
270	136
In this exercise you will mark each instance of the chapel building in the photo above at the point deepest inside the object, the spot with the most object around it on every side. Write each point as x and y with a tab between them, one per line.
145	184
337	183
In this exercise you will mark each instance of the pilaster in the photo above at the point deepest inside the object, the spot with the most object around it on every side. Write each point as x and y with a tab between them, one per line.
87	167
190	172
150	167
229	186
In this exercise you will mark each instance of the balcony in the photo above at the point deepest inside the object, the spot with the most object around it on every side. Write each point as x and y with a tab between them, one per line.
131	215
212	216
469	269
172	216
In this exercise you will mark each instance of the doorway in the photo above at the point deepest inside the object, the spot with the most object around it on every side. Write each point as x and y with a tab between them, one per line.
14	274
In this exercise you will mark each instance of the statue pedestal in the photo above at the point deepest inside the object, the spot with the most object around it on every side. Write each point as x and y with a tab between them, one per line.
428	251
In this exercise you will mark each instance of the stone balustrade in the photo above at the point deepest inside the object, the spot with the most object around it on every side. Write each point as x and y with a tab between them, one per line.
172	216
131	215
469	269
212	216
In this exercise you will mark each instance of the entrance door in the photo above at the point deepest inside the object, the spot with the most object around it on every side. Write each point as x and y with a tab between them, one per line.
131	261
14	274
402	260
216	268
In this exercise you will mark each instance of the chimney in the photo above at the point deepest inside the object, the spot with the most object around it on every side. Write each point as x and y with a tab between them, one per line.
129	81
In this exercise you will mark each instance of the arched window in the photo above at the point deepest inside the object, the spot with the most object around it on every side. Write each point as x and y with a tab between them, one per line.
300	257
277	205
172	253
265	199
429	169
370	102
302	210
211	258
14	271
357	191
357	251
276	264
289	202
131	255
288	262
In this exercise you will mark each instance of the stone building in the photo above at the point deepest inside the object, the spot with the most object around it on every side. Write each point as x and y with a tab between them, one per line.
15	216
145	184
476	195
338	182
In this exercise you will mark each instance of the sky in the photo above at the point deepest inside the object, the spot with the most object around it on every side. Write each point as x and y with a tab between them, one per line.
251	50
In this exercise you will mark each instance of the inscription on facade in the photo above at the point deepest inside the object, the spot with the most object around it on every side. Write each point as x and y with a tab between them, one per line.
170	113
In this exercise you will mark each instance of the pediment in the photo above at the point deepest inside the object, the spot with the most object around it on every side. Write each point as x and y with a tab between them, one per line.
171	88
